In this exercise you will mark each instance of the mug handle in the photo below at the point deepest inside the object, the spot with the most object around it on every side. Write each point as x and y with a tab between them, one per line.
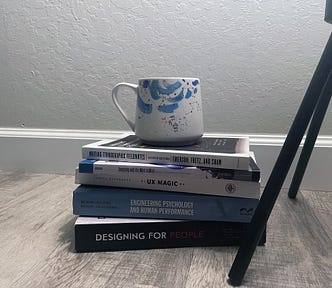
116	102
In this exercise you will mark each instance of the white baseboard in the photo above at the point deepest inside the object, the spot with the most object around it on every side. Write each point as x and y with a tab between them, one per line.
58	151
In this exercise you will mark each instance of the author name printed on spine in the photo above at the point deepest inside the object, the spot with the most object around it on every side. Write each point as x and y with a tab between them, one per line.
196	160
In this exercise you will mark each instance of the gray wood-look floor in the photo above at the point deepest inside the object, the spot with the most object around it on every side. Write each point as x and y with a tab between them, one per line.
36	245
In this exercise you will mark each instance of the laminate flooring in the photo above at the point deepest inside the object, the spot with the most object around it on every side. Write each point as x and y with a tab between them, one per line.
37	234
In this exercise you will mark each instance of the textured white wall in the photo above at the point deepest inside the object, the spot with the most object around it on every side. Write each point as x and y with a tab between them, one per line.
59	59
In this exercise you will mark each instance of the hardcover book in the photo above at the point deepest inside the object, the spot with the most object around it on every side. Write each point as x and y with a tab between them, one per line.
141	203
227	152
94	234
211	181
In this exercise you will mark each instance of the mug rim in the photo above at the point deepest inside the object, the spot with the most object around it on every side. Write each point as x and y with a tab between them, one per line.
167	78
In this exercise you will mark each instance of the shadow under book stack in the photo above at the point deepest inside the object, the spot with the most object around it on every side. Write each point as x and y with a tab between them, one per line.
134	196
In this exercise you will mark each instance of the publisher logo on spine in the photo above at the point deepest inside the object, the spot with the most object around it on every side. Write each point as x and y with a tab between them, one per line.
246	211
230	188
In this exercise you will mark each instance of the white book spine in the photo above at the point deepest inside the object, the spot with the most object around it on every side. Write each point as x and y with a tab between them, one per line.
98	151
147	176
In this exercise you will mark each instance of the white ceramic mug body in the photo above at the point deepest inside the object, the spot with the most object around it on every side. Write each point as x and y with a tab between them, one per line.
168	111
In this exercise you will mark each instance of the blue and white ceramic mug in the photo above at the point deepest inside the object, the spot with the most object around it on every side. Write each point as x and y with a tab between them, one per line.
168	110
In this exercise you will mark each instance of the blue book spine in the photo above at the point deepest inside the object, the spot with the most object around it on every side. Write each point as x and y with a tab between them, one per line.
137	203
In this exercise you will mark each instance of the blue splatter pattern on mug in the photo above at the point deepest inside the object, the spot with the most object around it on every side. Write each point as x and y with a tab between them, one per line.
171	94
173	98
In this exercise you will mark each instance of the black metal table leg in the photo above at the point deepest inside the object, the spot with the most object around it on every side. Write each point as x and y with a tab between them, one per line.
313	131
281	167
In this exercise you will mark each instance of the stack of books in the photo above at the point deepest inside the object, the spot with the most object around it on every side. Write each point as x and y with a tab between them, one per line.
135	196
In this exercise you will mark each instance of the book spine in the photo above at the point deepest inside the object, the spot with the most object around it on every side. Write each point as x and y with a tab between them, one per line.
138	203
178	181
115	167
211	160
129	236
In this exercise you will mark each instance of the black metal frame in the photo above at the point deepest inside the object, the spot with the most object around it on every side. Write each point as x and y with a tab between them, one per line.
312	110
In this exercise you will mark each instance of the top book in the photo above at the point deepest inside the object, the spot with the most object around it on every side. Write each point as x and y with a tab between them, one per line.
216	152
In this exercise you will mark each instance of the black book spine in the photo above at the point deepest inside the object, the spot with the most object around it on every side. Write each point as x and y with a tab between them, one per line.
157	235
